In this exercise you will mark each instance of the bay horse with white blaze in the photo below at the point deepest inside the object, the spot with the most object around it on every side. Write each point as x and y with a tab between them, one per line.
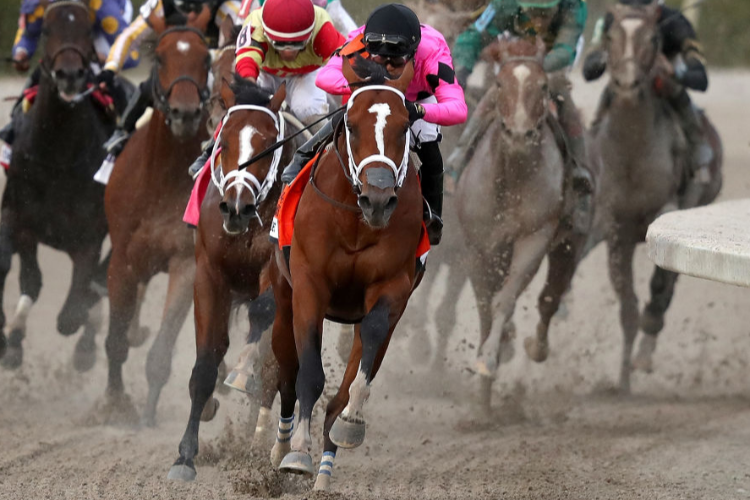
512	208
232	248
50	196
145	201
352	259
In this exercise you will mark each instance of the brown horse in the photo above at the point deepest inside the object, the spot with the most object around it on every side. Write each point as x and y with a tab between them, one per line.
231	250
50	196
144	202
222	69
634	189
511	204
352	259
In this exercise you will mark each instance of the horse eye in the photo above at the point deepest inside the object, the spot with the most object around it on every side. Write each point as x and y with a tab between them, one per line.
545	87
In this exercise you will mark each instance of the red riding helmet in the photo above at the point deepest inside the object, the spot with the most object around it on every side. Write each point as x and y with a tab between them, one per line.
288	21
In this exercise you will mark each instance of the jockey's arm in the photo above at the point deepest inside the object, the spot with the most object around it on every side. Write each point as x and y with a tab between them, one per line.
28	34
251	50
595	63
110	22
229	8
478	35
331	78
127	43
677	31
450	108
563	53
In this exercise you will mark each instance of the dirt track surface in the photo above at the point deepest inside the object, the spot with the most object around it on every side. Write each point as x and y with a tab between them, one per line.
556	431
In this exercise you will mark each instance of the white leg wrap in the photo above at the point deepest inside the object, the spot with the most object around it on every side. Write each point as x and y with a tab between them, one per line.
326	470
21	313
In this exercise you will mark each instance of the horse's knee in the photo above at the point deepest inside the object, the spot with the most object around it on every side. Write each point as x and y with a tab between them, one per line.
116	347
203	378
311	377
374	331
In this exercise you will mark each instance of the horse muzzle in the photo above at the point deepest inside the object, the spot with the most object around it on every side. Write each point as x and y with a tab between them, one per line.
184	122
237	216
70	83
378	198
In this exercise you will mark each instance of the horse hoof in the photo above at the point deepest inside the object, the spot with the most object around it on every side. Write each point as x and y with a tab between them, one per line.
297	462
182	473
209	411
644	359
278	452
84	356
13	358
486	368
243	382
322	482
347	434
650	324
535	350
138	336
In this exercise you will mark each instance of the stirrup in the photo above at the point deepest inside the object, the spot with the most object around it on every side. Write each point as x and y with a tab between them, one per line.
116	143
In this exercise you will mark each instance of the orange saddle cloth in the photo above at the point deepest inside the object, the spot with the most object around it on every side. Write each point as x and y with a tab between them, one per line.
282	227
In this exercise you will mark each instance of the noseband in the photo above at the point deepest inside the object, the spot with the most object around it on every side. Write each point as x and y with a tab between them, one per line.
242	177
161	97
355	169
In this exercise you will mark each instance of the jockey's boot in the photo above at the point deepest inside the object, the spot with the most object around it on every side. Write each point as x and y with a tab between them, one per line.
478	123
306	152
432	188
197	165
139	101
701	153
582	183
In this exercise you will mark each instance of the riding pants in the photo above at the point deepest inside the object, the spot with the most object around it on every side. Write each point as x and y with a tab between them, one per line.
305	99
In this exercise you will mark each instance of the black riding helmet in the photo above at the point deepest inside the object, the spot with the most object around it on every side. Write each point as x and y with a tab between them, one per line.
392	30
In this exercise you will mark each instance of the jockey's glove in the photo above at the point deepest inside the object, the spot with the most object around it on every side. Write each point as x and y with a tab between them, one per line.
107	77
416	111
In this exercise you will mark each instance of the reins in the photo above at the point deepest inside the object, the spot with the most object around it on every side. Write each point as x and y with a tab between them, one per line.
335	203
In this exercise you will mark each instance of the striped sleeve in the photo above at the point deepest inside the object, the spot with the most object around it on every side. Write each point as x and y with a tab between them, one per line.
230	8
129	40
250	52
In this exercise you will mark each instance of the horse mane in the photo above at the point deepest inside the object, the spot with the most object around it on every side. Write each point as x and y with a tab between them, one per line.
248	92
519	47
371	72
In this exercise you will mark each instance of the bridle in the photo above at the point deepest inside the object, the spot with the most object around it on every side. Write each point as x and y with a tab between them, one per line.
632	59
161	97
242	177
355	169
537	62
86	59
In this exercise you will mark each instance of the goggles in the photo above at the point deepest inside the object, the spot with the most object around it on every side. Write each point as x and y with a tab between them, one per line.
395	61
280	46
188	7
393	46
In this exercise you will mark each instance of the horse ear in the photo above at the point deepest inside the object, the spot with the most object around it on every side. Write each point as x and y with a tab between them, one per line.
200	21
157	23
403	81
348	71
226	30
278	98
226	93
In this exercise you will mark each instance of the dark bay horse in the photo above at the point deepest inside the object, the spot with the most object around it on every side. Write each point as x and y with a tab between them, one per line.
640	153
50	196
232	248
352	259
511	207
145	200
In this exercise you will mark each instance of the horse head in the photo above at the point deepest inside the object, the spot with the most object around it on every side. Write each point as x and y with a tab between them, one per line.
251	126
377	136
69	47
633	45
523	100
180	78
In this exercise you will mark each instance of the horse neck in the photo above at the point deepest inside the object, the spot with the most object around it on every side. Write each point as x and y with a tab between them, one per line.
515	163
631	124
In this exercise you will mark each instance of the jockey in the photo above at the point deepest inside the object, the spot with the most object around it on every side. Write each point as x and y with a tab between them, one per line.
392	37
110	18
342	21
680	46
154	13
286	41
560	24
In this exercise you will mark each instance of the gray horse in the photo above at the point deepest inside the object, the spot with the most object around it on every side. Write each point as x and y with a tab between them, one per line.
511	205
639	153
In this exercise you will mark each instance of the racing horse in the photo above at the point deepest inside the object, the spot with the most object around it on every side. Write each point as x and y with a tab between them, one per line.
352	259
512	209
144	203
54	159
232	248
634	189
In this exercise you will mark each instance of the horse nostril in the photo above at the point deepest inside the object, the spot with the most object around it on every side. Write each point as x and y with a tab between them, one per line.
80	73
364	202
248	210
391	205
224	208
530	134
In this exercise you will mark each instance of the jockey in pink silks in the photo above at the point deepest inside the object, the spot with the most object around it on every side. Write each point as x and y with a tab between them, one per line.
392	37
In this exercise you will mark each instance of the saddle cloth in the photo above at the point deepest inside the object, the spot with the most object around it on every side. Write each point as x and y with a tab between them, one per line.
193	209
282	227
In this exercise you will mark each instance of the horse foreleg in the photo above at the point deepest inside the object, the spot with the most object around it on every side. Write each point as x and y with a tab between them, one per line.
244	376
309	305
30	279
81	297
283	345
417	319
137	333
621	275
176	308
652	318
445	316
212	308
270	382
6	257
562	266
527	255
